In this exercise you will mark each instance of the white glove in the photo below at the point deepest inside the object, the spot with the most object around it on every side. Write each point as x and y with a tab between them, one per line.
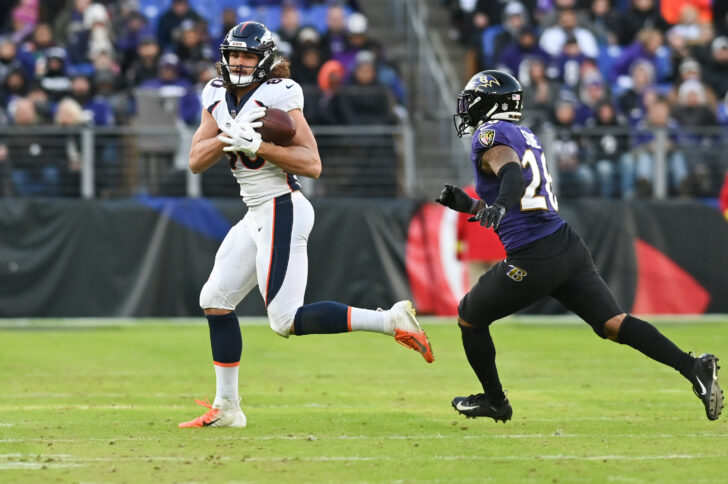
251	117
241	137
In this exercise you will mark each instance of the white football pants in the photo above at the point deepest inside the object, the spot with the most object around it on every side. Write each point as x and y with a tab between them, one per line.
268	247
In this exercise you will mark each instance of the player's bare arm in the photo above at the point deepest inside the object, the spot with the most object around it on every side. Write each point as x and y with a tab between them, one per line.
301	157
206	149
496	157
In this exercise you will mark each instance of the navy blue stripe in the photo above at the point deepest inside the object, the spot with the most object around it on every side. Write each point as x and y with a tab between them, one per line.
211	107
293	182
282	229
231	102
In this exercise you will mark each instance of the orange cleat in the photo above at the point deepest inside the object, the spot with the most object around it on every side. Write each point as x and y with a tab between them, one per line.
228	415
408	332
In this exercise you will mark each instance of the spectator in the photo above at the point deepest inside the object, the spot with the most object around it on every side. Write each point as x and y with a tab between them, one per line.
609	151
54	78
357	40
688	27
305	66
69	22
690	70
720	17
554	38
642	14
549	11
290	23
129	35
33	51
568	63
34	170
334	40
603	21
170	21
592	92
716	73
8	58
365	100
513	56
575	177
723	111
14	86
145	66
646	47
169	83
25	17
95	109
645	149
95	38
692	108
631	101
672	10
694	116
191	51
68	150
515	20
322	107
229	20
538	98
106	84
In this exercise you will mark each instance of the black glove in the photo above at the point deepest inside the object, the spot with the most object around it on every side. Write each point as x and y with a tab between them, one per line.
456	199
490	215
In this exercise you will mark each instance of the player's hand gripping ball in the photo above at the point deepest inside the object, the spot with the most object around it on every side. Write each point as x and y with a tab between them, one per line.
278	127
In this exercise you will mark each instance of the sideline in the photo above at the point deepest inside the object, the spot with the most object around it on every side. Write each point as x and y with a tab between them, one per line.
55	324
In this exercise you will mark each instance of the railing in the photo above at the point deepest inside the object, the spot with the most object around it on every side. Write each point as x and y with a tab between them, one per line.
433	84
622	162
127	161
372	161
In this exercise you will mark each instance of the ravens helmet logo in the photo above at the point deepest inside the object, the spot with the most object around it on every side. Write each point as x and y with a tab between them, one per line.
487	81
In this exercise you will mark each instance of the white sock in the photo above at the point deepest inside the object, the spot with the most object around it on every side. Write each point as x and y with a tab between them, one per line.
368	320
227	384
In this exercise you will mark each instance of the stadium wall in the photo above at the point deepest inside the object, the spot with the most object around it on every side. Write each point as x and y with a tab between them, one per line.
150	256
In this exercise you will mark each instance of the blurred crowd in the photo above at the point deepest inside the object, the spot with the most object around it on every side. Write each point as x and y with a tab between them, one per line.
92	59
629	66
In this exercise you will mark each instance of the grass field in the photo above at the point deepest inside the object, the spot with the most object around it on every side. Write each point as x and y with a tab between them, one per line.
89	402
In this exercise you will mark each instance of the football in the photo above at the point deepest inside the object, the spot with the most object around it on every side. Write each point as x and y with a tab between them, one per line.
278	127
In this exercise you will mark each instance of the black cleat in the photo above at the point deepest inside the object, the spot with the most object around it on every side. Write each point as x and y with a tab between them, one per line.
704	378
479	406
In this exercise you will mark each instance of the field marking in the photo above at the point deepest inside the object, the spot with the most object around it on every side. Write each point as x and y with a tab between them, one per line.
69	459
243	438
50	324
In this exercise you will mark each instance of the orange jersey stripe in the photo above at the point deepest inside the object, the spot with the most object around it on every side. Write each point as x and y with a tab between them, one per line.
348	319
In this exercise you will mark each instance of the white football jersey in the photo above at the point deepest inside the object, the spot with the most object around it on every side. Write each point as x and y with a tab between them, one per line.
259	179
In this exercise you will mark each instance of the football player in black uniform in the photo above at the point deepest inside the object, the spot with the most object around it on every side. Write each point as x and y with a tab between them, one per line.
545	257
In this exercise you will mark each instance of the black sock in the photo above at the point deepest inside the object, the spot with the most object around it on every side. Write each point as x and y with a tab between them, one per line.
225	338
644	337
480	350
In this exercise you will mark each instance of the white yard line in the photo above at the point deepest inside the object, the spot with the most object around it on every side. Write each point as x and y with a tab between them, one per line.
243	438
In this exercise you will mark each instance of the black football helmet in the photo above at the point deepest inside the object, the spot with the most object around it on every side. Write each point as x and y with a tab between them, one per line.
248	37
488	95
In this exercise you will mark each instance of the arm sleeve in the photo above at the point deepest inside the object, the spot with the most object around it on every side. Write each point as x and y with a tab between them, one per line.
512	184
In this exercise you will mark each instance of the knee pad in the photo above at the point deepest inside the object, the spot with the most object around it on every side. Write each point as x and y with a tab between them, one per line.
281	321
210	297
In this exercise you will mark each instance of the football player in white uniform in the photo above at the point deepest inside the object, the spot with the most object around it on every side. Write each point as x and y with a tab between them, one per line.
267	247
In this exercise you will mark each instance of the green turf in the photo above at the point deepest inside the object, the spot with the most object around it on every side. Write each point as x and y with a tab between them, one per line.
86	404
